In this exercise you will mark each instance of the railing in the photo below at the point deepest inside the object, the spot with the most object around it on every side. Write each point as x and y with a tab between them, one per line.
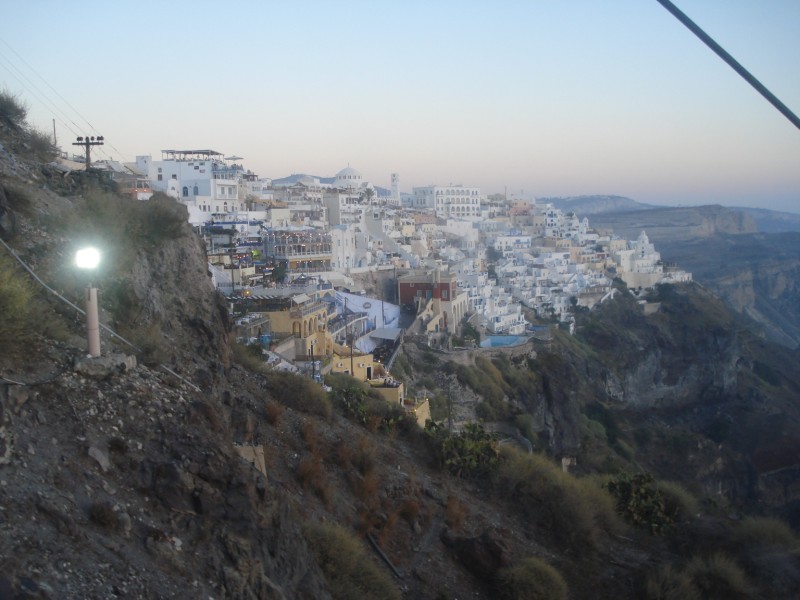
306	309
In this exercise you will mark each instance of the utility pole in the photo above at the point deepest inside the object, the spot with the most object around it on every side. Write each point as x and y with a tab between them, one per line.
348	334
87	143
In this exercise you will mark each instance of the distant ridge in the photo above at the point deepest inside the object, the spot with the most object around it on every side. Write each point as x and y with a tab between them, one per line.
592	205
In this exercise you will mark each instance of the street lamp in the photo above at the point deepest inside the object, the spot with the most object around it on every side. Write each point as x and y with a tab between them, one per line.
89	258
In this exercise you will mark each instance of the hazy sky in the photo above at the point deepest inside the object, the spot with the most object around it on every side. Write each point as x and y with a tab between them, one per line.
556	98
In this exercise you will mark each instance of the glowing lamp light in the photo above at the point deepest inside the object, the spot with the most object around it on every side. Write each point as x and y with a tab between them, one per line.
87	258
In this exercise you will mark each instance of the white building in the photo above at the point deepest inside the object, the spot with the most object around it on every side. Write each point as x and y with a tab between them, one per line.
449	201
201	179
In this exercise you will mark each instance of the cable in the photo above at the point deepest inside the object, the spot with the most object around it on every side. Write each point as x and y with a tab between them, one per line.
81	311
50	104
720	51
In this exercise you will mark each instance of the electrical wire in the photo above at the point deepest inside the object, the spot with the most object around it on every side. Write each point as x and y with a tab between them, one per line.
732	62
50	104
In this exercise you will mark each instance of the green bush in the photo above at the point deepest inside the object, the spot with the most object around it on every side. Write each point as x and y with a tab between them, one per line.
348	569
357	401
532	578
299	393
641	503
471	452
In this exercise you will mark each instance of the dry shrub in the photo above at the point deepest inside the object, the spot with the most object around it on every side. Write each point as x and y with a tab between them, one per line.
363	456
274	412
719	577
570	510
311	437
455	512
668	584
344	454
409	509
387	529
532	577
299	393
365	486
765	532
367	520
678	499
17	314
348	568
311	474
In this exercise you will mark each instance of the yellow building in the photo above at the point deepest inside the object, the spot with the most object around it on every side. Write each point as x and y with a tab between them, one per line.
353	362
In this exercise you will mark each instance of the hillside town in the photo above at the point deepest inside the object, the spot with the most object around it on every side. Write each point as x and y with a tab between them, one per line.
463	267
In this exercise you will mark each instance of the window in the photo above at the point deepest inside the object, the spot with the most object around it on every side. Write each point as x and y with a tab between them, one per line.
160	177
185	191
195	190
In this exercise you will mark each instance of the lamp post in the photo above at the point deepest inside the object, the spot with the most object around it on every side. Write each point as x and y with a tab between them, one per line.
89	258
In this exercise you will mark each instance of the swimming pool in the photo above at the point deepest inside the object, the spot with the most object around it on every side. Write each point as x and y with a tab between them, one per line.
502	341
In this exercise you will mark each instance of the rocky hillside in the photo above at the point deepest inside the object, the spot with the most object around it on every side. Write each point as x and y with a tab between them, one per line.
179	466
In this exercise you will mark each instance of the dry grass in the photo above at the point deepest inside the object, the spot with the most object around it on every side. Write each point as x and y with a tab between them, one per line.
678	498
668	584
765	532
299	393
348	568
532	578
569	510
718	576
17	316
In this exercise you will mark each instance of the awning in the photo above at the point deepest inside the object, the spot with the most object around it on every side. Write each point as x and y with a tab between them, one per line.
386	333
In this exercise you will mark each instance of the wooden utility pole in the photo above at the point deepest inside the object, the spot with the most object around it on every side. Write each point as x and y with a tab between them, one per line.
87	143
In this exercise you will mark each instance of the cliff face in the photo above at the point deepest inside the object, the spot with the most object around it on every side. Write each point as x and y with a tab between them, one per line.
695	369
757	274
676	224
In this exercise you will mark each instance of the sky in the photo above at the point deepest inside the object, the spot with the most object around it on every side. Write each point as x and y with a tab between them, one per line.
532	98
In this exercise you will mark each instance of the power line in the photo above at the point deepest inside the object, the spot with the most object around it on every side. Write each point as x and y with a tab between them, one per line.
31	88
720	51
46	101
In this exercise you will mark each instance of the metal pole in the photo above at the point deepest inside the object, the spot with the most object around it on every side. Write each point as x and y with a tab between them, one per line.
92	322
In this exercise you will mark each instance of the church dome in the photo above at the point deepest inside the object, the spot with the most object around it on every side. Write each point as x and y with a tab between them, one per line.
348	178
